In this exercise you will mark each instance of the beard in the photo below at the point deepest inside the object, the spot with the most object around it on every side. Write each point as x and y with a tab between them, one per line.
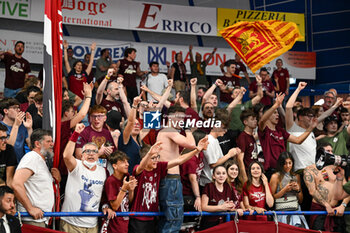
6	211
48	157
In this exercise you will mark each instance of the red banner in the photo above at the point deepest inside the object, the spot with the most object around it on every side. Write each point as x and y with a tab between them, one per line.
247	226
53	73
34	229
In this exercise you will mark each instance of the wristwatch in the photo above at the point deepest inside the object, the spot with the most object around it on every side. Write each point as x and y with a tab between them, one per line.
343	204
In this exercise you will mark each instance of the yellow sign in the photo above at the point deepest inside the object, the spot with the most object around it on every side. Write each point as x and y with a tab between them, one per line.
227	17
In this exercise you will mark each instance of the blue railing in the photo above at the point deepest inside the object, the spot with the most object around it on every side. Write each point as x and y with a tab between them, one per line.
152	214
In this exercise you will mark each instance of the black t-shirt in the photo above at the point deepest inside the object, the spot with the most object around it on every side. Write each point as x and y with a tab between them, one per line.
7	159
32	109
37	121
228	141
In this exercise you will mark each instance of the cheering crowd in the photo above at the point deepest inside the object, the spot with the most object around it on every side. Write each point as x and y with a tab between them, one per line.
211	152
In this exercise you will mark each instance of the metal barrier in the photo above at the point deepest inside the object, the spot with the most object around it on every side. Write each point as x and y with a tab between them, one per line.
135	214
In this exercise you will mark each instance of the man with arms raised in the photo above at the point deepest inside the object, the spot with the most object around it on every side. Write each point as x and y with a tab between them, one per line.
17	70
116	98
170	187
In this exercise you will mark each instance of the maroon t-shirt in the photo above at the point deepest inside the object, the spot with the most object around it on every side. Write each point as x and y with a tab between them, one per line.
267	85
15	71
282	75
238	196
90	77
257	198
146	192
240	67
218	198
191	114
112	188
90	135
66	132
230	82
128	70
24	107
247	144
193	166
273	143
113	105
75	82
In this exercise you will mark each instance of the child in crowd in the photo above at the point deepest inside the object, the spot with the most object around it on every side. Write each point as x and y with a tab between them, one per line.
285	186
256	192
236	177
190	173
148	174
119	190
218	196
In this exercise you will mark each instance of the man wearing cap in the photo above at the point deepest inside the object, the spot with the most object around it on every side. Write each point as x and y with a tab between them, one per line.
17	70
336	139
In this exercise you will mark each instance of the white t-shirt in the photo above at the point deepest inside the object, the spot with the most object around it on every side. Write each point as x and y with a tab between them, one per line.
83	194
304	154
156	84
211	156
39	188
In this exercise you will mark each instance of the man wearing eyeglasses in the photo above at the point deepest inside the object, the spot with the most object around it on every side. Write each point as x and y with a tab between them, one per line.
19	125
8	159
97	134
84	185
304	154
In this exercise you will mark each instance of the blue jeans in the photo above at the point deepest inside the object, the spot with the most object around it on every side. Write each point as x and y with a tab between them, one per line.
171	203
11	93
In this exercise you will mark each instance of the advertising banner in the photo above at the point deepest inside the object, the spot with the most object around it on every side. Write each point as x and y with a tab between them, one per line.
256	226
301	65
121	14
172	18
227	17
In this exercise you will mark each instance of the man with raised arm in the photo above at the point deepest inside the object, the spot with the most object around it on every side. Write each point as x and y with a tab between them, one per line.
171	200
198	66
236	107
338	139
84	186
17	69
305	153
116	98
273	138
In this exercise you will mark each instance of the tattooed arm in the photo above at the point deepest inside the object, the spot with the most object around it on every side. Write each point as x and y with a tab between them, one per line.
317	191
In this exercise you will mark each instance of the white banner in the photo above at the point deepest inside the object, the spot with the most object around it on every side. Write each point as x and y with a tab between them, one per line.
121	14
147	52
